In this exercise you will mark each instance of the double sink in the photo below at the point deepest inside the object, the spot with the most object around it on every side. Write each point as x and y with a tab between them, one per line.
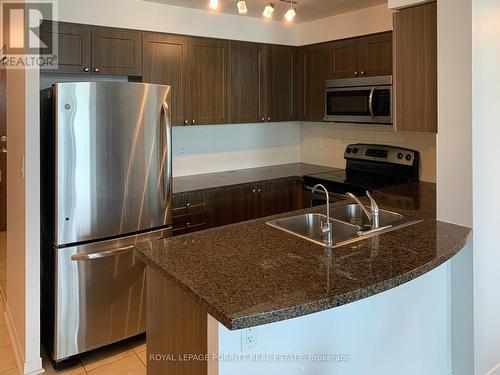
349	222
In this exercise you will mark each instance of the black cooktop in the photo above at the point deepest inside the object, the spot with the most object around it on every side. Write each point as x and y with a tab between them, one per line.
369	167
357	182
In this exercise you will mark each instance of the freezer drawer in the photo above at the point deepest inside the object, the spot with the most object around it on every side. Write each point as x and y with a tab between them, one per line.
99	294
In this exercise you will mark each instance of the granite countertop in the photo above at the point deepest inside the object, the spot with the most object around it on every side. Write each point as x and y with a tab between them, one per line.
243	176
249	274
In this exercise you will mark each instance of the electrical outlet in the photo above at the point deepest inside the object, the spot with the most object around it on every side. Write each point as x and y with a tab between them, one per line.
248	339
182	151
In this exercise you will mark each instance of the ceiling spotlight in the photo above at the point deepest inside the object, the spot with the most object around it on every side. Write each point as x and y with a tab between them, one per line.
242	7
268	10
214	4
291	13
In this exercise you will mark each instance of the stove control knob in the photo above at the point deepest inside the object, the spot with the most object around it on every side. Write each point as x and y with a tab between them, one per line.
400	156
408	157
348	150
355	150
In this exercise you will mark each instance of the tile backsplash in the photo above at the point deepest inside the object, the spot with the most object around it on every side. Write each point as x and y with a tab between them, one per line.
324	143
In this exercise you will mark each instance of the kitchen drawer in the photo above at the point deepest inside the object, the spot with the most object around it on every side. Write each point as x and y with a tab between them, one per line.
189	223
188	203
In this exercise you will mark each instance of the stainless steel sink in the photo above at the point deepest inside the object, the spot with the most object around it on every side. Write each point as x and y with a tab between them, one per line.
353	214
308	226
349	225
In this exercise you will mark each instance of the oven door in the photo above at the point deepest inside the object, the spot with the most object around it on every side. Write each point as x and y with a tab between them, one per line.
370	104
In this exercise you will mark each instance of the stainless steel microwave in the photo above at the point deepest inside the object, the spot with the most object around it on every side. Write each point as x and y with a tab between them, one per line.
359	100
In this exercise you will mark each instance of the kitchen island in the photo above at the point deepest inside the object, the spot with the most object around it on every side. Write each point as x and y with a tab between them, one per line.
204	287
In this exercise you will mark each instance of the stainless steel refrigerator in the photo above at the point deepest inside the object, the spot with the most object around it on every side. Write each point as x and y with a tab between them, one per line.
106	184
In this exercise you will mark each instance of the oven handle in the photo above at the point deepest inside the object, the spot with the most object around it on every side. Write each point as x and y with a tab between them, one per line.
102	254
334	195
370	102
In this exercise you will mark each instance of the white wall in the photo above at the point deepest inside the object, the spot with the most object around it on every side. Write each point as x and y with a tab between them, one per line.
23	219
454	169
401	331
221	147
324	144
365	21
142	15
454	140
399	4
486	134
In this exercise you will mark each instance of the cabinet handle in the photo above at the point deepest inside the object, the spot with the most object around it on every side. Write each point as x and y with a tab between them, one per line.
356	73
97	70
262	119
254	190
260	190
188	224
188	205
269	119
186	122
362	73
193	122
86	70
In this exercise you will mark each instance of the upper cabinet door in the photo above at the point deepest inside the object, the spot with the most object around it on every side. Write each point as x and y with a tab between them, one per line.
209	76
375	55
415	69
166	62
346	55
281	85
116	52
246	94
315	67
73	55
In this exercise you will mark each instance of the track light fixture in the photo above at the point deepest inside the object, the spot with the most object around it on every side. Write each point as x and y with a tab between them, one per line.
291	13
268	10
242	7
214	4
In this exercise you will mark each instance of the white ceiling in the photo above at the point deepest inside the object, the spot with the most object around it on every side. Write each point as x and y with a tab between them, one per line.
308	10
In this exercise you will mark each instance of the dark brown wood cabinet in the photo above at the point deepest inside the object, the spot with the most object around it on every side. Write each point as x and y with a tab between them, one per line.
263	83
89	50
364	56
346	55
415	69
315	67
247	87
116	52
209	80
375	55
281	83
190	212
194	211
73	56
166	61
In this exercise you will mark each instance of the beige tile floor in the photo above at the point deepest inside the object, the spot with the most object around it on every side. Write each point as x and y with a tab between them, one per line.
125	358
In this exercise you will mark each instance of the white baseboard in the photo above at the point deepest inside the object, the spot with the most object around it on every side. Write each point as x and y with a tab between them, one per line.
494	371
32	367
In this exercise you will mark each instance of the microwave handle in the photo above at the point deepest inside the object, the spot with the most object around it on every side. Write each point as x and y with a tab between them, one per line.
370	102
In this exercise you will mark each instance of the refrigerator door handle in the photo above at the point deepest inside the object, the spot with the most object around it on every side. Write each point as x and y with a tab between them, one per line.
102	254
166	168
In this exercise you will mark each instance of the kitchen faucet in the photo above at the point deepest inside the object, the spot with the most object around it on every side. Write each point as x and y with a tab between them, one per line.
374	213
326	228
